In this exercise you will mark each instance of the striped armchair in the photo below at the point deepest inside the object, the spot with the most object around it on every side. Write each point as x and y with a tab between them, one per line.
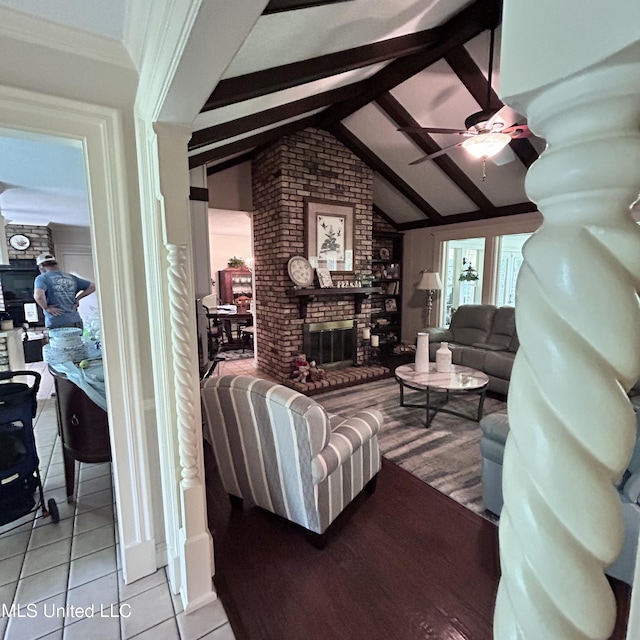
282	450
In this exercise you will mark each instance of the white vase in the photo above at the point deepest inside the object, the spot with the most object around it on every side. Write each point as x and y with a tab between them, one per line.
422	352
443	358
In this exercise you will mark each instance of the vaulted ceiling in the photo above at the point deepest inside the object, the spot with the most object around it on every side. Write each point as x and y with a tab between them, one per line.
362	69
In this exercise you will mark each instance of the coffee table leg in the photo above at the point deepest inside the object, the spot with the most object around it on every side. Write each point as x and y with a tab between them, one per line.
401	393
481	404
429	417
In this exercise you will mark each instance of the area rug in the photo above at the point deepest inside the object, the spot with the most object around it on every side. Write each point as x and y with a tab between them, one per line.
446	455
237	354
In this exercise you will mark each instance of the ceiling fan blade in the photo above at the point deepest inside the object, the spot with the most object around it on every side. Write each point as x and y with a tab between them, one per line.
433	130
518	131
435	154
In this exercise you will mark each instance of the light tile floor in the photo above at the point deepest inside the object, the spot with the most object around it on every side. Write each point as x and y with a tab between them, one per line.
55	571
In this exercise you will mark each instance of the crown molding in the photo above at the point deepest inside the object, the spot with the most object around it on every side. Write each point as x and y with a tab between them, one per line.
45	33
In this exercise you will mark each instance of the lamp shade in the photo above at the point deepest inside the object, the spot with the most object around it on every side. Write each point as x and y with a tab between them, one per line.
485	145
430	281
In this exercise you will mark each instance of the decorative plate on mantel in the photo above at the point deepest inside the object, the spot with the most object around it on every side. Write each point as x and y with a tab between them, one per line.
300	271
19	242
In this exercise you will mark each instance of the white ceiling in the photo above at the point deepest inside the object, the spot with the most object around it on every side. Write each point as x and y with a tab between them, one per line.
103	17
42	178
334	67
51	190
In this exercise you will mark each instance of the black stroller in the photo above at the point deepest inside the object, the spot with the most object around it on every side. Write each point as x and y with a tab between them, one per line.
19	473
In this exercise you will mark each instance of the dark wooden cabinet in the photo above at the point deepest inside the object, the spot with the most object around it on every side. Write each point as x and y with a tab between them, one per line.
235	286
83	428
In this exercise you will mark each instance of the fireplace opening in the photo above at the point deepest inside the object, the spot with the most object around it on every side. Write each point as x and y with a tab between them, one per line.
333	345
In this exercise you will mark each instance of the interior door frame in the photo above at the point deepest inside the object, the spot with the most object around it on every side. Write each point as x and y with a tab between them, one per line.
101	133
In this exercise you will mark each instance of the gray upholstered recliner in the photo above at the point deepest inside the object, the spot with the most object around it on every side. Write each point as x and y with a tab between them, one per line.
282	450
495	429
483	337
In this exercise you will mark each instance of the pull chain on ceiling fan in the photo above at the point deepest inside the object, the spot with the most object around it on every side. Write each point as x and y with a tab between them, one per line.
485	133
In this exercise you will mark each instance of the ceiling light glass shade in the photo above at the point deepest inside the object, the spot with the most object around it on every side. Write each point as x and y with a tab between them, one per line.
485	145
430	282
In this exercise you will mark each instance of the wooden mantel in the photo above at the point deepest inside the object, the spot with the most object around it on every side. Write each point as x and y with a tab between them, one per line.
305	296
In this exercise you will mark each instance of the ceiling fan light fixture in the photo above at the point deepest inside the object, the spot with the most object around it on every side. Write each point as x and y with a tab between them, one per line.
485	145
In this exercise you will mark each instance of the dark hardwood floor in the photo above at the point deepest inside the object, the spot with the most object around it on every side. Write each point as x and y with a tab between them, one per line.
404	563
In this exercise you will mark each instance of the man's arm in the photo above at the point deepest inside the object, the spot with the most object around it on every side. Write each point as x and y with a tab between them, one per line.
41	300
86	292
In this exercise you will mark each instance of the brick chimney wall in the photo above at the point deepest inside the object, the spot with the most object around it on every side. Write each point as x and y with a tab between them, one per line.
40	236
308	164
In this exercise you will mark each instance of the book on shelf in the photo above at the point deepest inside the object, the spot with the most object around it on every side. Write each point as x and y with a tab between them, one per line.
390	288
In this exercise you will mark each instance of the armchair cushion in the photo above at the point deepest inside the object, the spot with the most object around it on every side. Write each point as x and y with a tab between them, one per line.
346	438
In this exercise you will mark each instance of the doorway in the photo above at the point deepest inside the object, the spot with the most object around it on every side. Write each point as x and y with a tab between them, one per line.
98	132
233	282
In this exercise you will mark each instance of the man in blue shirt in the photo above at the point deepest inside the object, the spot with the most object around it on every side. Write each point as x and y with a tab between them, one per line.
58	293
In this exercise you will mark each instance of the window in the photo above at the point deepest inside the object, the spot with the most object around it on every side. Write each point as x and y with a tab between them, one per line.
509	263
462	258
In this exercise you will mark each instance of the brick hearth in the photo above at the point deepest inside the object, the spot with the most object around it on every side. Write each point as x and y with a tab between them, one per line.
340	378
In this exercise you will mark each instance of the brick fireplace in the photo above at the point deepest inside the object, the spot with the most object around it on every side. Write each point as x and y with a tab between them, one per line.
308	164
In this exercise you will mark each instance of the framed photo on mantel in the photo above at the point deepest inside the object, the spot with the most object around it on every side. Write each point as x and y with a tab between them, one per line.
329	234
324	278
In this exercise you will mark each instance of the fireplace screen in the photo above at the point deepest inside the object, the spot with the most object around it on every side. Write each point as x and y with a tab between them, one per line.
331	344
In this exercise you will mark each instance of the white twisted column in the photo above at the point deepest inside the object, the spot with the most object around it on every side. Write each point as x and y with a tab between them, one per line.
572	426
186	384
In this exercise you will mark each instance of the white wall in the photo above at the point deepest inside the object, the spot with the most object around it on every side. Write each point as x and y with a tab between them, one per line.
229	236
231	188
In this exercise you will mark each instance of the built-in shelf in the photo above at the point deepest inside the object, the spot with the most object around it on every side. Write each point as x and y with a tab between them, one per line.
305	296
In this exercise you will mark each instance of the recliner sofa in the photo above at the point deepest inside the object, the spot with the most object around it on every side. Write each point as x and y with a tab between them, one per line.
495	429
483	337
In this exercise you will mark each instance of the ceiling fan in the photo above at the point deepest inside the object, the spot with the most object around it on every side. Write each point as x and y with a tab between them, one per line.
486	132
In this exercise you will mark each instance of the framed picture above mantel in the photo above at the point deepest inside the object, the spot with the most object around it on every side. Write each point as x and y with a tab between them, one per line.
329	234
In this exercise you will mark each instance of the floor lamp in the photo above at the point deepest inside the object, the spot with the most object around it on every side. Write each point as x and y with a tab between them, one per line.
431	283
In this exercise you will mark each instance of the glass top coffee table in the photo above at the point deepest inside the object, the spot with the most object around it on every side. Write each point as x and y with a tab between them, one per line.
438	387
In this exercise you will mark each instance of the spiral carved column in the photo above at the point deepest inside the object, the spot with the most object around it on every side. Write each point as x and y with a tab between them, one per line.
186	384
572	427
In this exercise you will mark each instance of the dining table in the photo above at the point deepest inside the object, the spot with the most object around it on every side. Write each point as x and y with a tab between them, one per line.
224	325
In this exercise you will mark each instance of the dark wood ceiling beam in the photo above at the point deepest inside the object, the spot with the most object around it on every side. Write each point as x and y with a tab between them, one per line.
227	164
250	142
373	161
259	83
277	6
461	28
427	144
475	82
268	117
471	216
472	78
